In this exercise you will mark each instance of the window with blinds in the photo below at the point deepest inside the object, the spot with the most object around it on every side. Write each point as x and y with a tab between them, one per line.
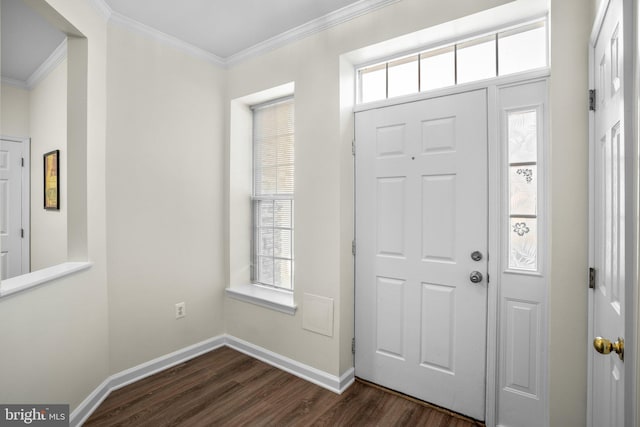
273	190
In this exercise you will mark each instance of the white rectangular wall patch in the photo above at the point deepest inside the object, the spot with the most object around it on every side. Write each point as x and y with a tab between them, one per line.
317	314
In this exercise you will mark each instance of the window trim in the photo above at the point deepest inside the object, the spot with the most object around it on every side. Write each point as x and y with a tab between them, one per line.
265	296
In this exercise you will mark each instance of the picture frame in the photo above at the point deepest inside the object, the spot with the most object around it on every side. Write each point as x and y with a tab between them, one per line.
51	181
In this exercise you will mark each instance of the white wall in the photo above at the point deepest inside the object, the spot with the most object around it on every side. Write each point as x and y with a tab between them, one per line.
54	337
165	175
48	132
14	116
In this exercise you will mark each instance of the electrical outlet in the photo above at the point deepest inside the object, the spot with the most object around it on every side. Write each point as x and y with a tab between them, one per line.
181	310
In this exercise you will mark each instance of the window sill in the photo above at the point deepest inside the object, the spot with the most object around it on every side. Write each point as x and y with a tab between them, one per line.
39	277
264	296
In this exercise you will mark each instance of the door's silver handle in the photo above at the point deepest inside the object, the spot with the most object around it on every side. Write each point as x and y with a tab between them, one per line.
475	277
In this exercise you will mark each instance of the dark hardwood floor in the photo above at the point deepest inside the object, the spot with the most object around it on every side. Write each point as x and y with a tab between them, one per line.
228	388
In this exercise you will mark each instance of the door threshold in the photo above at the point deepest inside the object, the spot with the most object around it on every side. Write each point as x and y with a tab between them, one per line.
422	402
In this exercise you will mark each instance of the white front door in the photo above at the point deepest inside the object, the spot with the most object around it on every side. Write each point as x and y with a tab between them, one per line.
607	312
421	211
11	200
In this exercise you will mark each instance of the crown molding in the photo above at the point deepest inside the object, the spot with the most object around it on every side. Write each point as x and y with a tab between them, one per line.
179	44
103	8
15	83
317	25
56	57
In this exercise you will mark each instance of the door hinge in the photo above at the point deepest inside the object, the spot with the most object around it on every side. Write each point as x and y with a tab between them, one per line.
592	100
353	147
22	161
592	278
22	233
353	346
353	247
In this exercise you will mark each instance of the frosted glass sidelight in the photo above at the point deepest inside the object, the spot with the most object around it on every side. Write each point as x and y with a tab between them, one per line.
437	69
403	76
522	134
522	49
523	244
523	185
373	83
476	60
522	130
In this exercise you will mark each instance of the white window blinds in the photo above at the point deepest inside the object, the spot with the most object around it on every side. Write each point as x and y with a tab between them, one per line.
273	149
273	189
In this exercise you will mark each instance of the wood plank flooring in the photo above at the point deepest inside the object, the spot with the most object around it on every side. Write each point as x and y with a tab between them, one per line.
228	388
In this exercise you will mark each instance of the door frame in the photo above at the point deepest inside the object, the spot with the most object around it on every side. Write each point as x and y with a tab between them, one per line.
26	199
496	187
631	67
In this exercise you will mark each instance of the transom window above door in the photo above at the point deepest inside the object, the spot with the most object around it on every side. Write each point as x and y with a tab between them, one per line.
504	52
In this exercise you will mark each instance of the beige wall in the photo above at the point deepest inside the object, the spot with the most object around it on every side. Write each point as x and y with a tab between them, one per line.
14	116
571	25
165	175
54	337
48	131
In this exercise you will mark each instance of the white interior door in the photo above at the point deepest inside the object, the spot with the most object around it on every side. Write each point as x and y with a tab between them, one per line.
608	234
421	211
11	154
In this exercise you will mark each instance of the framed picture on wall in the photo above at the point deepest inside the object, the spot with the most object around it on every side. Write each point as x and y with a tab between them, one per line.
52	180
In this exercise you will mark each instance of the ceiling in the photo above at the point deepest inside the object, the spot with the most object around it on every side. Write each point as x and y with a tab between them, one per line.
220	28
27	40
225	27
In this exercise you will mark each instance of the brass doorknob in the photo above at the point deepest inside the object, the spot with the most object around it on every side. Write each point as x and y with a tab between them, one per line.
604	346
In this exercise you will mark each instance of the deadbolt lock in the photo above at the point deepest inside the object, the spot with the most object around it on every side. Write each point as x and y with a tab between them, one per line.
476	255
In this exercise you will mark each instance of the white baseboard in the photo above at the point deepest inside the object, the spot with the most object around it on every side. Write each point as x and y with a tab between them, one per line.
306	372
124	378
